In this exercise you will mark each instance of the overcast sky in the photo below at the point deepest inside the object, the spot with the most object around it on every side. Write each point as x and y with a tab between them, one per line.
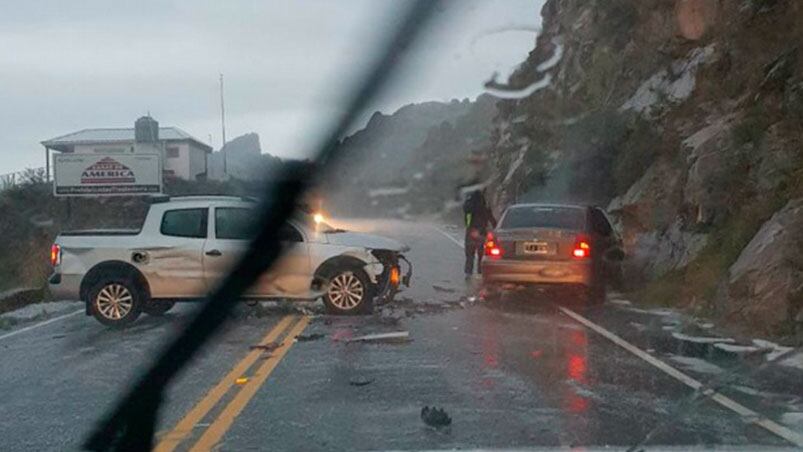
67	66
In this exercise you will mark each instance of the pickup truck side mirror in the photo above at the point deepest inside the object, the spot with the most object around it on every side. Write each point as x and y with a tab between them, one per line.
615	254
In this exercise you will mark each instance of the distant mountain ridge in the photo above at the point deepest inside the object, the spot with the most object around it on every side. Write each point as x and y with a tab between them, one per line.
413	160
242	159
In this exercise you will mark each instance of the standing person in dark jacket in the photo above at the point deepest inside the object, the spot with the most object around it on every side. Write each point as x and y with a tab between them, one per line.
477	216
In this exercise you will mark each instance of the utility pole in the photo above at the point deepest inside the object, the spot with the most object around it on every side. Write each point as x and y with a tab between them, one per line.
223	123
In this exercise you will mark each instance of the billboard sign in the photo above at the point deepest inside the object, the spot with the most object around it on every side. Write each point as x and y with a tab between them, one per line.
106	174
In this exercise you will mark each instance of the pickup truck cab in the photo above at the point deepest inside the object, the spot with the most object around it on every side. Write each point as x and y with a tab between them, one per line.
187	245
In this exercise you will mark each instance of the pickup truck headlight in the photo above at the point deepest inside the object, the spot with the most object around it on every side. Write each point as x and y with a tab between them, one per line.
395	275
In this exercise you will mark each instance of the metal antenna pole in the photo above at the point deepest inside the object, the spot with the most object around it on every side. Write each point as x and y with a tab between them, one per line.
223	123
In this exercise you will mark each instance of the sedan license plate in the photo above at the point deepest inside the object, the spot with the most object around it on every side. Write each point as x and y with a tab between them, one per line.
535	248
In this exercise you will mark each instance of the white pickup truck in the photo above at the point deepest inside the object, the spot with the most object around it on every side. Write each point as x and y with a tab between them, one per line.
188	244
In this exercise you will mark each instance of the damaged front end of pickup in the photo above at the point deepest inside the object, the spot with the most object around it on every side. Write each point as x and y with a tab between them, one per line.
393	276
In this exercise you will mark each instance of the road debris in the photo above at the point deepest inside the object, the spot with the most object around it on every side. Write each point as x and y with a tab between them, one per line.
619	301
306	311
701	339
309	337
342	335
390	315
392	338
435	417
241	380
443	289
360	381
269	347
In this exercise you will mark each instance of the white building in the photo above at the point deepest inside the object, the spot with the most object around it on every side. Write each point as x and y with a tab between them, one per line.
183	156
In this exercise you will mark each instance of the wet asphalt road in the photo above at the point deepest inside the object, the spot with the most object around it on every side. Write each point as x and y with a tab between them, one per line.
515	374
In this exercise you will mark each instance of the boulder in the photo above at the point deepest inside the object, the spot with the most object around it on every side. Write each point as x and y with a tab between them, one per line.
764	286
657	252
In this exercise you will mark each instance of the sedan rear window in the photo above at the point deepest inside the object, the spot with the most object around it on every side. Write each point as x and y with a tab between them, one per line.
543	217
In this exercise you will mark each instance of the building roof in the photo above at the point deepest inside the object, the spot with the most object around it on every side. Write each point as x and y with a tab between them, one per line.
117	135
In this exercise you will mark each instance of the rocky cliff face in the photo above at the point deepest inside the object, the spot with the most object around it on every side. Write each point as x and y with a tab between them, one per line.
683	118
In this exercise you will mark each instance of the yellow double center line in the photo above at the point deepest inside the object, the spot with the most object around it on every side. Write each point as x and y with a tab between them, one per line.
225	419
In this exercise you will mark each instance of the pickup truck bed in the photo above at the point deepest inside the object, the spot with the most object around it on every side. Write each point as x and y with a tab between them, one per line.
100	232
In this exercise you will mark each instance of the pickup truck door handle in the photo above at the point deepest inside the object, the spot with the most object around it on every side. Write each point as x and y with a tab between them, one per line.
214	253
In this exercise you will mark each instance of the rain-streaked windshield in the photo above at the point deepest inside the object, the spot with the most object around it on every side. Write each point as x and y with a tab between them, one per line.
401	225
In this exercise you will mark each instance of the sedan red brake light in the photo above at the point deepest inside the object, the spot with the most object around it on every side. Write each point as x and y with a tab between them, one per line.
492	248
582	248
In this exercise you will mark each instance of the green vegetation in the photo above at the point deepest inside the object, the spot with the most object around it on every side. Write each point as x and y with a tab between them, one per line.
753	126
620	17
761	6
637	152
609	152
698	281
601	75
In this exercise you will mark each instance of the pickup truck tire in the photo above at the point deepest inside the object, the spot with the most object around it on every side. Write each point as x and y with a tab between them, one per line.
157	308
349	292
116	301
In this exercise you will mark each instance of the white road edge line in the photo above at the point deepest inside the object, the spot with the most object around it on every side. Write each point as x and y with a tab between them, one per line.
46	322
754	417
449	236
746	413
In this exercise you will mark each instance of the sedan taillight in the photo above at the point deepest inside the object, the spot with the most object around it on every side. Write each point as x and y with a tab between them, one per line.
582	248
492	248
55	254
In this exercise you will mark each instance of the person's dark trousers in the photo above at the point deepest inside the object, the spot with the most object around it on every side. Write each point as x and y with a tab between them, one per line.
473	247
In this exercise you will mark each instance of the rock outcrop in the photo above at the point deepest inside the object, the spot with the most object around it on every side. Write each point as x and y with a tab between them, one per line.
764	287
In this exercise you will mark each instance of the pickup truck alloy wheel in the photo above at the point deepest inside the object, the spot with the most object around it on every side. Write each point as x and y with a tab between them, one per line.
114	301
346	291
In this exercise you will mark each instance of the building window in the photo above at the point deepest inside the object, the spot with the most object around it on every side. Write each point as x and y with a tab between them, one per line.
172	153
